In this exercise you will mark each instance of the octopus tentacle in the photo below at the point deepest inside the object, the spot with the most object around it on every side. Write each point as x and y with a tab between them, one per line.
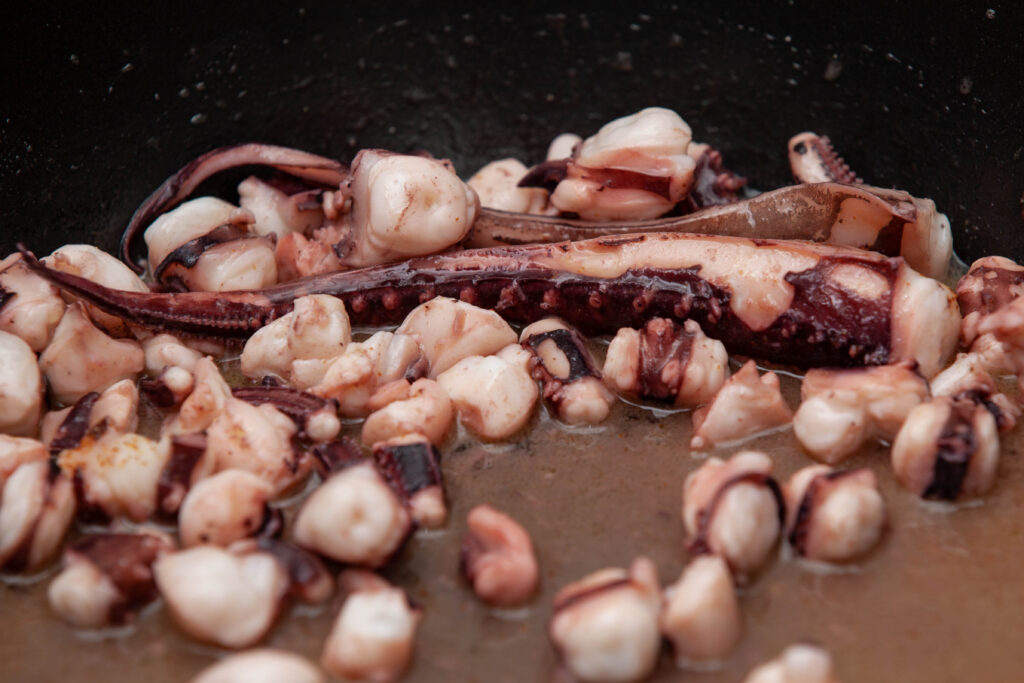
791	302
813	160
308	166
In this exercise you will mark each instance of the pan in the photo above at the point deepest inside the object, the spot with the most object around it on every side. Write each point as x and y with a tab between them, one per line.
102	104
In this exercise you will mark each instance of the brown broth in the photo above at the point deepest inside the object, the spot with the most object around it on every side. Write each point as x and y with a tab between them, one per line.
939	600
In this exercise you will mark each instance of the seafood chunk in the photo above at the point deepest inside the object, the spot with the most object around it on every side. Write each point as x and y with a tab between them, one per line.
449	330
224	508
354	517
82	358
21	387
420	408
15	451
605	626
968	378
107	578
833	515
701	613
745	405
801	663
226	598
498	558
841	409
497	185
277	213
97	266
1007	329
566	370
733	508
493	395
116	409
262	665
666	361
947	448
411	465
35	513
374	633
30	307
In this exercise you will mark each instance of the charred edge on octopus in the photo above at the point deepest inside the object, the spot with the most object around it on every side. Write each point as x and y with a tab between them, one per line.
176	476
662	342
75	425
187	255
409	468
336	455
298	405
996	290
317	169
824	324
713	184
956	444
572	346
127	560
825	158
804	512
546	175
700	544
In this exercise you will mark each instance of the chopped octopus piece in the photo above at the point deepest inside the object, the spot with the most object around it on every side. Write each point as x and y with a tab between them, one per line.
354	376
374	633
991	283
100	267
1007	329
635	167
497	185
498	558
116	474
187	464
562	146
745	405
733	508
263	665
566	370
316	330
315	417
310	582
420	408
411	465
257	439
354	517
842	408
225	597
36	509
968	378
449	330
82	358
107	578
666	361
947	448
605	625
298	256
278	213
701	613
30	307
833	515
15	451
171	363
21	387
494	395
394	206
205	403
224	508
116	410
801	663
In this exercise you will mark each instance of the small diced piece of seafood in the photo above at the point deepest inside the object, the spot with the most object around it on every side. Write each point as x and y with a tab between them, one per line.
968	378
701	613
15	451
833	515
354	517
494	395
30	307
733	508
497	185
498	558
224	508
449	330
947	448
841	409
566	370
411	465
21	387
374	634
801	663
223	597
666	361
107	578
420	408
116	409
605	626
277	213
745	405
262	665
35	514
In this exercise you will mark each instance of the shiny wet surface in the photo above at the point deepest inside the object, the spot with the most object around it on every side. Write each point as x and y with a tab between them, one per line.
939	600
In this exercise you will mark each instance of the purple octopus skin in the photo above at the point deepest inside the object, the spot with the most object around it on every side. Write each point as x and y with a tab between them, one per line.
317	169
298	405
790	302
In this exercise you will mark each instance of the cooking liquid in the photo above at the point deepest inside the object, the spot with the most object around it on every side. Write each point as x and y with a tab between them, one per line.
940	599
